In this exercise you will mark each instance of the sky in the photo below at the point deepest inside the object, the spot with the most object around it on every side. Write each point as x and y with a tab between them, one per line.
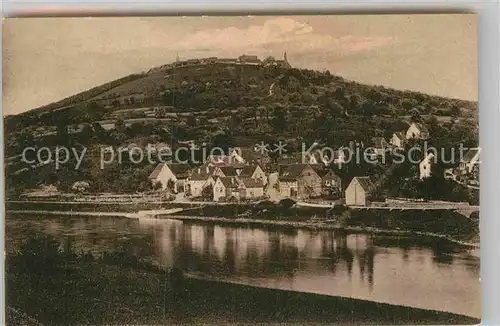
47	59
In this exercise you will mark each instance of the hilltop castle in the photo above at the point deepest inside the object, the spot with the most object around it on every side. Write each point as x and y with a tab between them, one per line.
243	59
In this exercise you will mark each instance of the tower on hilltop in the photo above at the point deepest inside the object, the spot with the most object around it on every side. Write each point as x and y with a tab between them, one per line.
284	57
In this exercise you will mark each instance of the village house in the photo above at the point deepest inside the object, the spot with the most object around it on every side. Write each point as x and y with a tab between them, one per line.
398	139
299	181
331	182
177	172
250	155
358	191
225	188
470	161
425	166
417	131
250	188
225	171
199	179
254	171
249	59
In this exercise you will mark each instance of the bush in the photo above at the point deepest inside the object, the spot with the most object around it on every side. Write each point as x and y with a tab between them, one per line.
40	255
287	203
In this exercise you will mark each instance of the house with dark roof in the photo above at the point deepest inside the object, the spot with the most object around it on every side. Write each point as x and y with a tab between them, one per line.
331	182
250	155
358	191
176	172
200	178
299	181
253	171
417	131
225	188
398	139
250	188
470	161
225	171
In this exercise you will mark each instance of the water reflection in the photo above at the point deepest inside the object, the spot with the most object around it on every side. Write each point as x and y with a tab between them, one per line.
223	251
395	270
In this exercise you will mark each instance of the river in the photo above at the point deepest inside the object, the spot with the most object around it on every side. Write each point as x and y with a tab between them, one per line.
417	272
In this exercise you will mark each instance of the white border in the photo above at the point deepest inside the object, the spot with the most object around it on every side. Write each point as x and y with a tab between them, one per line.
489	71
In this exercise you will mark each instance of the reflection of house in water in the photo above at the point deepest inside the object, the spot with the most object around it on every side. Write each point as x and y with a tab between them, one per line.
265	254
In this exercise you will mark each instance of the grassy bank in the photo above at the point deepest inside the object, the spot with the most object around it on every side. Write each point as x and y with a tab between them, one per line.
130	207
59	287
443	224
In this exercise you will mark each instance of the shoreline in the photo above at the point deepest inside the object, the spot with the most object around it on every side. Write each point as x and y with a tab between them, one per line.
307	225
317	225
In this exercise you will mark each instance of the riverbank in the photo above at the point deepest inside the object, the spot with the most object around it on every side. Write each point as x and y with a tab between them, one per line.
444	225
120	289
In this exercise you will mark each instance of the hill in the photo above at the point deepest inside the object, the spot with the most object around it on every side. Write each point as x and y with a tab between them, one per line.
227	104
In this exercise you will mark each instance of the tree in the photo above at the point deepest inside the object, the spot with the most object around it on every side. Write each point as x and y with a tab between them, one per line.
120	125
171	185
207	193
415	115
80	186
157	185
160	113
191	121
278	122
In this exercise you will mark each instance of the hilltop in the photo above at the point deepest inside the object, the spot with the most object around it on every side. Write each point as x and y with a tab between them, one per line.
247	81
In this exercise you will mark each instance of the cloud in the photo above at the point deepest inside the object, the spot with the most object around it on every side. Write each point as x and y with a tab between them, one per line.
279	33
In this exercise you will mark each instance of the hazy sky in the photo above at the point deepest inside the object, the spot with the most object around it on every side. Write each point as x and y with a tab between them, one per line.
46	59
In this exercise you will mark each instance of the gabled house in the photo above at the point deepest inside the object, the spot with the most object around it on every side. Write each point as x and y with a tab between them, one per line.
177	172
470	161
225	188
250	188
425	166
253	171
225	171
417	131
299	181
331	182
248	155
398	139
199	179
358	191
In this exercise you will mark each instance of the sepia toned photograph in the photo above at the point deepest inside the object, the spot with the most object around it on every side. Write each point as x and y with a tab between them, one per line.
242	169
